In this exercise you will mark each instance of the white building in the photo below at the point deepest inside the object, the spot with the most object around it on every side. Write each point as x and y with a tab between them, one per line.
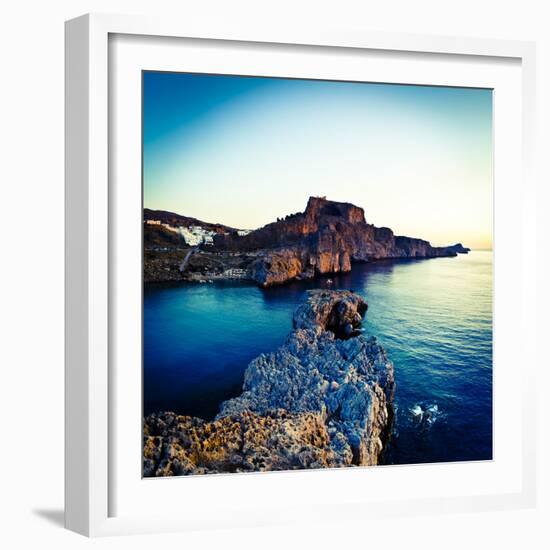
196	235
193	235
243	232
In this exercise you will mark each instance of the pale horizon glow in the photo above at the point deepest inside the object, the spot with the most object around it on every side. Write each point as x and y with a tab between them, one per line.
244	151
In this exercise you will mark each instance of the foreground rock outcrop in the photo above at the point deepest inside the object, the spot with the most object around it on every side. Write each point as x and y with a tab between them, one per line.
323	399
326	238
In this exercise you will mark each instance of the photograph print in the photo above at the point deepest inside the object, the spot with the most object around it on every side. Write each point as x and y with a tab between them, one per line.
317	274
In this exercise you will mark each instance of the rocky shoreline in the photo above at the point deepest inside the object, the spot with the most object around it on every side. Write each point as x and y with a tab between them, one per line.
327	238
321	400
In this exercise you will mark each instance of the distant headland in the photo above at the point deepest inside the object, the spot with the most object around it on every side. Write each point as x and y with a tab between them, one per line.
327	238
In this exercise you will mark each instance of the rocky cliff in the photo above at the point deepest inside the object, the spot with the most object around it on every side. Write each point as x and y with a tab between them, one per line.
326	238
323	399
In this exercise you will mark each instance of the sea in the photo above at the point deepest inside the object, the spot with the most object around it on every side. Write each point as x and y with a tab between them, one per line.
433	317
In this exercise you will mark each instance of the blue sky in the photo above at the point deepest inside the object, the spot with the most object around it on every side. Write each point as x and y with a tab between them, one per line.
244	150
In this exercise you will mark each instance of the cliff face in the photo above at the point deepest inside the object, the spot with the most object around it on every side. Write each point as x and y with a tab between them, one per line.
326	238
323	399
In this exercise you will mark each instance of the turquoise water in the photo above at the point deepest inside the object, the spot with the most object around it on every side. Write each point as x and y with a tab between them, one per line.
434	317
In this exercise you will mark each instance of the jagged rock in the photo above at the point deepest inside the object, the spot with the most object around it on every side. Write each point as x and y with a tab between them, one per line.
326	238
323	399
276	440
294	377
340	312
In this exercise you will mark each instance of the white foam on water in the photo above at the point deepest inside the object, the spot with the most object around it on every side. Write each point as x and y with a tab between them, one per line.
425	416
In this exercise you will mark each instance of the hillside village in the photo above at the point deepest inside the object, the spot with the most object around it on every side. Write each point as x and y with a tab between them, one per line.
195	235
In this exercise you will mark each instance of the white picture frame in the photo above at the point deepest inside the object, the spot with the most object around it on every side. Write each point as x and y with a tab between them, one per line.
91	217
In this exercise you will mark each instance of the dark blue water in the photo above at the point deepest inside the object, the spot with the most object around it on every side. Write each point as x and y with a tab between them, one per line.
434	317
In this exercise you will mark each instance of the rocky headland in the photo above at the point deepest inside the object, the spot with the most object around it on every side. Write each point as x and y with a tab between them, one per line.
459	248
328	237
321	400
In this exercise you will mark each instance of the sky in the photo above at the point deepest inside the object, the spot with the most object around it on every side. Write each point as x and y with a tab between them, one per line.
244	151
